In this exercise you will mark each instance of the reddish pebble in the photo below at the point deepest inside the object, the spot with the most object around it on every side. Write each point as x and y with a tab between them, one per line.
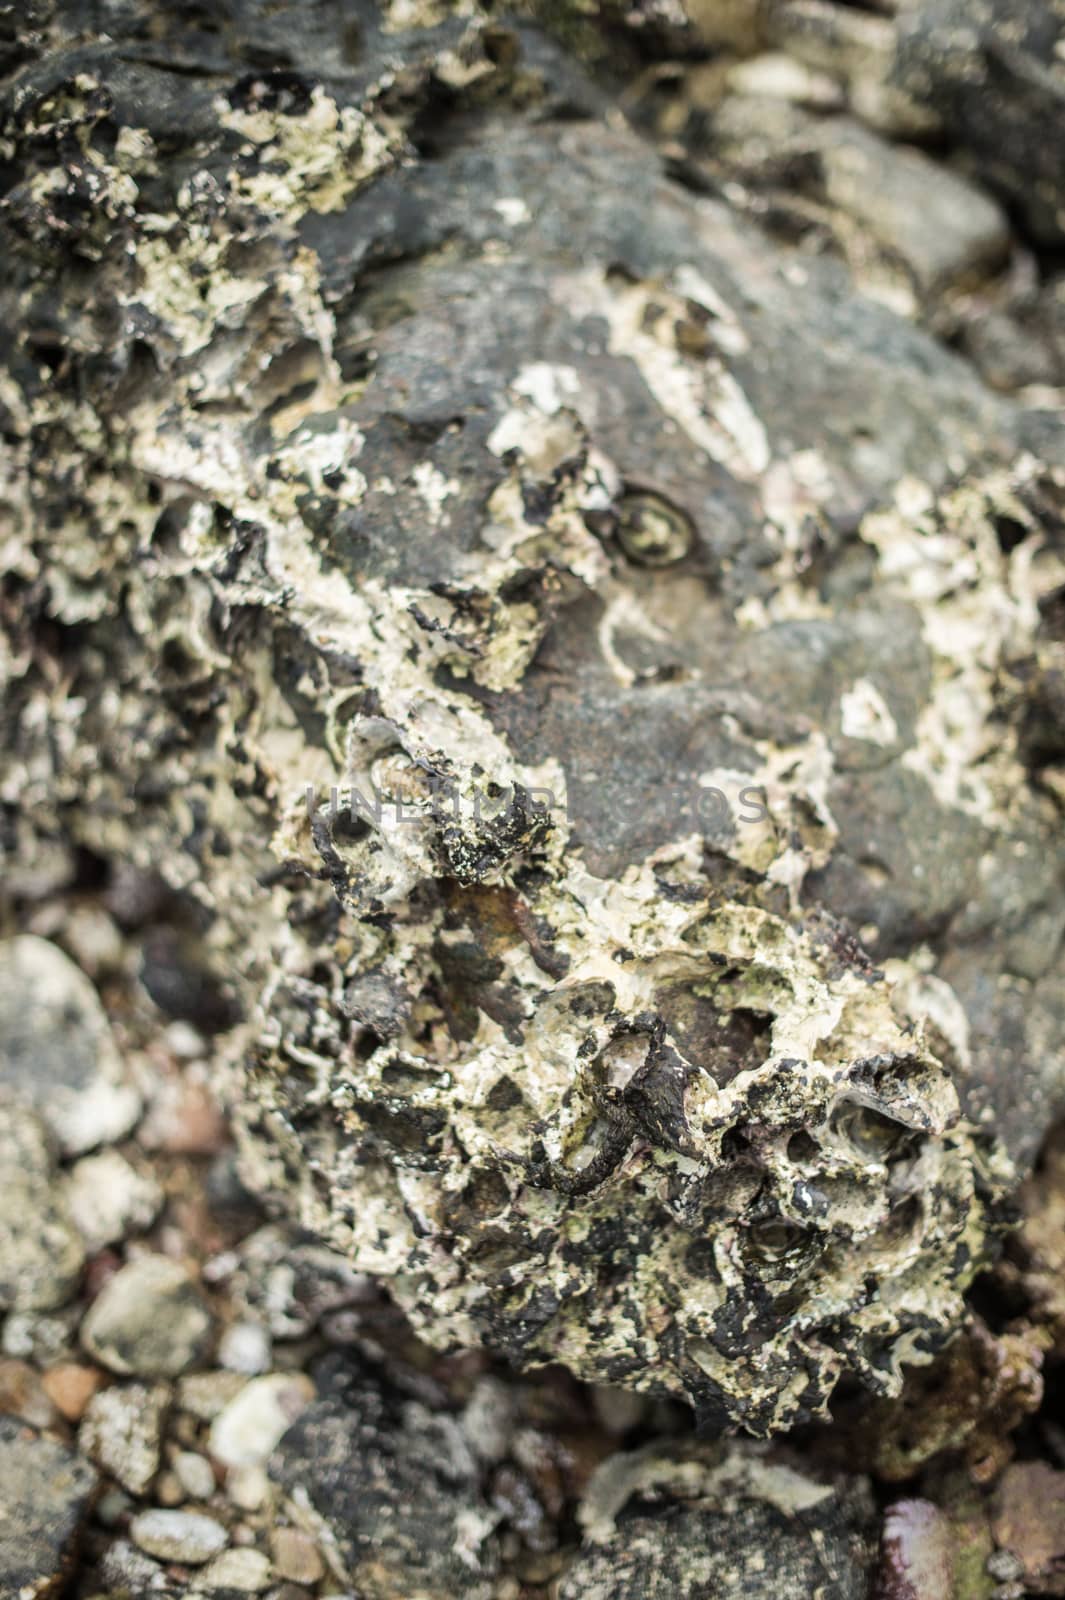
70	1386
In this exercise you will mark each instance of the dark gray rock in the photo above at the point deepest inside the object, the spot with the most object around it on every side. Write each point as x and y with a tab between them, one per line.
46	1494
720	1524
992	71
396	1484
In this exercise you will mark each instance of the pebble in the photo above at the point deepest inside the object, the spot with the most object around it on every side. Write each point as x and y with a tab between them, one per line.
22	1394
186	1536
195	1474
245	1347
41	1254
109	1199
169	1490
45	1497
149	1320
70	1386
122	1432
296	1556
248	1430
205	1394
247	1487
57	1051
246	1571
42	1339
126	1570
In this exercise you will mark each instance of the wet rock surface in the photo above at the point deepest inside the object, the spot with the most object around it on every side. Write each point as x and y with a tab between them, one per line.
653	535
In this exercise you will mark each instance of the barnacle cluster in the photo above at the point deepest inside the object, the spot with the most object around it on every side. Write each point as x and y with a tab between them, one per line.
597	685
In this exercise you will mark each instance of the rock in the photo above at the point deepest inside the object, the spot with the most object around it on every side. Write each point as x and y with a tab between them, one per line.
295	1556
1028	1521
858	49
991	72
46	1494
127	1570
41	1255
684	625
890	192
122	1431
247	1487
110	1200
24	1395
148	1321
245	1433
56	1047
42	1339
70	1386
244	1571
396	1485
916	1553
185	1536
245	1347
719	1523
1021	342
195	1474
205	1394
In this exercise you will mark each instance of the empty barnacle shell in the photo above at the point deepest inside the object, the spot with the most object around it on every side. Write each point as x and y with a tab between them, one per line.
651	530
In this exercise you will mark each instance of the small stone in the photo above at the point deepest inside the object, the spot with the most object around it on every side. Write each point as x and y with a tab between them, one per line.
94	941
43	1340
186	1536
149	1320
1003	1566
127	1570
246	1432
245	1347
183	1118
56	1046
1028	1521
22	1394
916	1551
205	1394
109	1199
113	1507
169	1490
247	1487
122	1432
195	1474
296	1556
45	1498
41	1254
488	1421
246	1571
70	1386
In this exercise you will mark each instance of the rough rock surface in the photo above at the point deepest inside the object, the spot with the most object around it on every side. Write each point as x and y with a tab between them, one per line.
41	1253
46	1493
676	982
148	1321
717	1524
397	1484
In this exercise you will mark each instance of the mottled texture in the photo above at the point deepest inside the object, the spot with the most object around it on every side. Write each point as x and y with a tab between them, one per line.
401	429
720	1525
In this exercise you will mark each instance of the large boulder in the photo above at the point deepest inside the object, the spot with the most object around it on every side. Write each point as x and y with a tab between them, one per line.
672	985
